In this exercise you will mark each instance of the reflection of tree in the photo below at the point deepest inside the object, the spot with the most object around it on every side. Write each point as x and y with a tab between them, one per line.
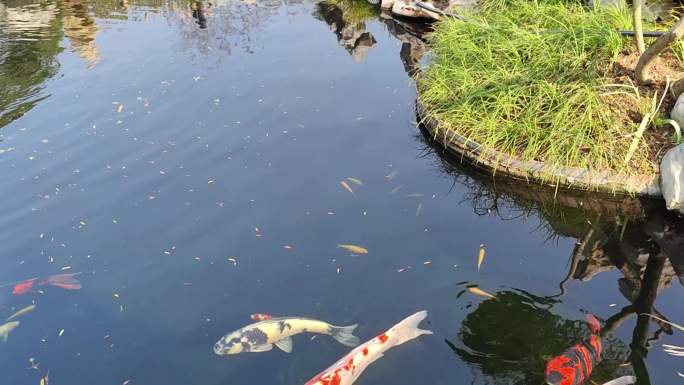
637	237
80	29
346	19
510	338
29	42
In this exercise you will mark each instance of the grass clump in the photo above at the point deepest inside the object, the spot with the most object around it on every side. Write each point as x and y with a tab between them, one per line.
532	79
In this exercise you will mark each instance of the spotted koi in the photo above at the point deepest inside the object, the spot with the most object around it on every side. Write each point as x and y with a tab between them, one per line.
349	368
269	331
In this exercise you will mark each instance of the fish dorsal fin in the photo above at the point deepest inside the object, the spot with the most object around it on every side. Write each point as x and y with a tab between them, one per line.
285	344
261	348
261	317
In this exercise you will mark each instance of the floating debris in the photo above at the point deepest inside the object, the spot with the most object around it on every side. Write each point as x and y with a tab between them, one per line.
233	261
419	208
61	333
353	248
396	189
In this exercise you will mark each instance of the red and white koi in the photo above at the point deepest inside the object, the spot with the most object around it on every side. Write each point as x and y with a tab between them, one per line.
349	368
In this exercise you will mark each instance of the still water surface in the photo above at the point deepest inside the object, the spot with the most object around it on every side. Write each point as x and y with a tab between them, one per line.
186	158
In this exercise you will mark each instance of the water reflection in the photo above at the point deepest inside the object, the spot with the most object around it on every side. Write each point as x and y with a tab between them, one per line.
638	238
346	19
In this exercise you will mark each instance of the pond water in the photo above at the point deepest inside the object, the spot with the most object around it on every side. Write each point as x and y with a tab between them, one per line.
186	159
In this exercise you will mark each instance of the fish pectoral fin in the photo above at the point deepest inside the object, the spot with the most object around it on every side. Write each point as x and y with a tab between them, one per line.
261	348
285	344
3	337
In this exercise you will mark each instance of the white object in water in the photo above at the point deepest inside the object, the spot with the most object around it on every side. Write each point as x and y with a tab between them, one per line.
672	177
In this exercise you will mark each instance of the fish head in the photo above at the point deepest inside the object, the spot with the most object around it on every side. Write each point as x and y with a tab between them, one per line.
232	343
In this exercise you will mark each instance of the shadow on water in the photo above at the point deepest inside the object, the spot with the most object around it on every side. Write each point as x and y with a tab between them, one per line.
637	237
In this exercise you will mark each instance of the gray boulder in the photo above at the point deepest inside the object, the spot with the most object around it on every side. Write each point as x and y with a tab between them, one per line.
672	178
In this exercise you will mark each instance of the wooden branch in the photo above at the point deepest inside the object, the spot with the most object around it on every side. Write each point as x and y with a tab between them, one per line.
647	58
638	26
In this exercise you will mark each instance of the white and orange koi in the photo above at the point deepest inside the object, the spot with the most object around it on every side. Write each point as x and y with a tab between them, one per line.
349	368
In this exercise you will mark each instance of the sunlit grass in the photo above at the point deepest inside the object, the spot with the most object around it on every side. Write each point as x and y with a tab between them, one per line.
528	78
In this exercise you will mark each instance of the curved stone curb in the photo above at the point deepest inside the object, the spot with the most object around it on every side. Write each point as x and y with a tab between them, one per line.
539	172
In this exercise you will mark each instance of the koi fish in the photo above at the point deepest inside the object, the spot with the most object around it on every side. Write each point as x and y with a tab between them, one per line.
262	335
349	368
6	328
65	281
574	366
21	312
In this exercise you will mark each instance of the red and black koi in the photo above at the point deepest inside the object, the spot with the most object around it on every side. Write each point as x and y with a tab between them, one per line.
575	365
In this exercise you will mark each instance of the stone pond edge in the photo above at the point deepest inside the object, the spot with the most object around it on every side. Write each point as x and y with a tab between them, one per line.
571	178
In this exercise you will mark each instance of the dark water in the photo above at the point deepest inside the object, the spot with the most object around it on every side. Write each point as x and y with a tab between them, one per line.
145	144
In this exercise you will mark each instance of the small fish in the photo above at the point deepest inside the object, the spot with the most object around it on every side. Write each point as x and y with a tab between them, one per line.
65	281
419	208
355	181
349	368
396	189
391	175
480	257
477	291
21	312
24	287
120	108
346	186
261	336
574	366
353	248
6	328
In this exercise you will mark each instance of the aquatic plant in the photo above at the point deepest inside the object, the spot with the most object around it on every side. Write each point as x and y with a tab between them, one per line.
534	79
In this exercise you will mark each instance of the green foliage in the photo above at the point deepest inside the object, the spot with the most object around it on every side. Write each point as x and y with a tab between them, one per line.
528	78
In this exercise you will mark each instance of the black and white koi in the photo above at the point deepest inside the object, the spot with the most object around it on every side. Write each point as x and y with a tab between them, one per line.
269	331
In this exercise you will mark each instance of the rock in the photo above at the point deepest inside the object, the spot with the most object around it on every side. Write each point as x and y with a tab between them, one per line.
677	113
672	172
410	9
387	4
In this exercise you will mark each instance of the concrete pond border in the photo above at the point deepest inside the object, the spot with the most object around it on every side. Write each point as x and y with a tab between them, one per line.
570	178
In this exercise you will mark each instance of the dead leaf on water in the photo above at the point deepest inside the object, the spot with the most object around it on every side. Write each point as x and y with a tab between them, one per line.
355	181
346	186
477	291
353	248
480	256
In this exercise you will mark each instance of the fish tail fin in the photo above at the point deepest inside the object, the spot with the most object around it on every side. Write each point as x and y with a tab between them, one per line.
345	335
593	323
65	281
408	329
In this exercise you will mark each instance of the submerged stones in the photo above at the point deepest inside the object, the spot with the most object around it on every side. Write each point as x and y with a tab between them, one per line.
672	176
